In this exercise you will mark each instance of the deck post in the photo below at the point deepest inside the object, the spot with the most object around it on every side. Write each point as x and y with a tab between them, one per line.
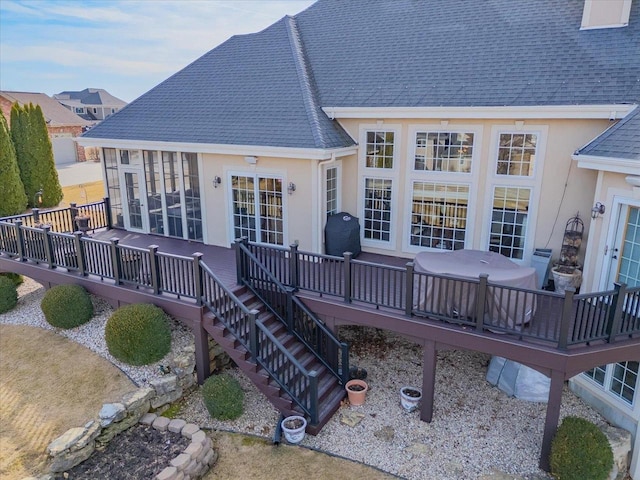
289	312
313	394
77	236
154	266
19	240
115	260
347	276
35	211
203	361
567	307
408	301
481	299
197	277
48	249
240	263
294	267
553	415
107	212
73	210
344	350
615	314
429	361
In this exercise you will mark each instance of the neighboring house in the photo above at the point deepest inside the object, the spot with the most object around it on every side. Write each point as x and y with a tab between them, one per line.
92	104
614	389
63	126
441	125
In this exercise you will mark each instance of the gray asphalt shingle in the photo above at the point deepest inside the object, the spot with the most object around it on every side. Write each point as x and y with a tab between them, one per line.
620	141
268	88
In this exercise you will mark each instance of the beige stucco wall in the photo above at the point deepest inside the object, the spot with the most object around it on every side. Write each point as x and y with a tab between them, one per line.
559	140
299	213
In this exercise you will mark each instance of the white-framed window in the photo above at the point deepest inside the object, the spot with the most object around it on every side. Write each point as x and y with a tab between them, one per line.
443	151
79	109
332	190
618	379
95	110
439	213
513	191
379	168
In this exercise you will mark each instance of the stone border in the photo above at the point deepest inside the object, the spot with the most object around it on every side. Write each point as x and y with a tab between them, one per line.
77	444
195	460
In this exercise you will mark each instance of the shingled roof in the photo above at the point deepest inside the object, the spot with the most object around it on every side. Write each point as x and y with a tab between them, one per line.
622	140
54	114
269	88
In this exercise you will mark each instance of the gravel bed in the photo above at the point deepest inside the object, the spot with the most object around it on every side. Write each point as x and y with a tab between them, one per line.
477	431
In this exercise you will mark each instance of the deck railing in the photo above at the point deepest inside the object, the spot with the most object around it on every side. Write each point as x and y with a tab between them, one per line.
561	320
298	382
295	315
63	220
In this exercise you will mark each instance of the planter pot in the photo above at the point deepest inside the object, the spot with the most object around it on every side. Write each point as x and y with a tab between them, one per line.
410	398
357	391
564	277
293	428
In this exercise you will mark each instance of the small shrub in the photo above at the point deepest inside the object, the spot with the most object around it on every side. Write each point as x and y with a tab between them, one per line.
580	450
15	277
67	306
223	397
8	294
138	334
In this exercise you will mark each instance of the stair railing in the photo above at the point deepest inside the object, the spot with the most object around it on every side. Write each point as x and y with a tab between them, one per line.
295	315
298	382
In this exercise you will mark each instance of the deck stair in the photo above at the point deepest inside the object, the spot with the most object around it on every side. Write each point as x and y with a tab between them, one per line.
330	390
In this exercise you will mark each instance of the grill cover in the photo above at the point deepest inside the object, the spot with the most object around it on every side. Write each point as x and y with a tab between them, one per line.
342	234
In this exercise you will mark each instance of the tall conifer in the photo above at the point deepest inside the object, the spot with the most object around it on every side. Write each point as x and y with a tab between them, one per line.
45	174
13	200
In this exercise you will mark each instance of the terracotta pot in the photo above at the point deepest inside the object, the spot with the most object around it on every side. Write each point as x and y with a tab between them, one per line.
357	391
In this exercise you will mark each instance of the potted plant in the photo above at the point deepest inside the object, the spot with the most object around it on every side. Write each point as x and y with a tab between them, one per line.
293	428
410	397
357	391
566	273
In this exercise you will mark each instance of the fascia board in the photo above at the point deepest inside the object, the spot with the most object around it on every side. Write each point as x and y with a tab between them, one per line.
243	150
607	164
609	112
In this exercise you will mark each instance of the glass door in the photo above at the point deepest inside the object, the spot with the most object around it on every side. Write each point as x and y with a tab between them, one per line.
625	257
136	214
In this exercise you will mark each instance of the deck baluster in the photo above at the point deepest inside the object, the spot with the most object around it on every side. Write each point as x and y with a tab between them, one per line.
615	313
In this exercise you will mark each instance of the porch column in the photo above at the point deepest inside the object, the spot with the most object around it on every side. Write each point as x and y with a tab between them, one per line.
429	360
553	415
202	352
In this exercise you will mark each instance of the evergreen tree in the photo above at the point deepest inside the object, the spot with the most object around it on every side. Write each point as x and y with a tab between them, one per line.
20	137
44	173
13	200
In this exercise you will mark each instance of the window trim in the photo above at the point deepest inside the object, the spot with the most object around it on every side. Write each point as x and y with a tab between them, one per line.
325	170
512	181
606	388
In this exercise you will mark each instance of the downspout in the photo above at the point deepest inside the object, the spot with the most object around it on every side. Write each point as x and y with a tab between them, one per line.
322	163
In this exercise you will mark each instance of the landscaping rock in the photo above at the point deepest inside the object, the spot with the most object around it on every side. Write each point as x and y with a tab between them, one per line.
351	419
620	441
111	412
386	433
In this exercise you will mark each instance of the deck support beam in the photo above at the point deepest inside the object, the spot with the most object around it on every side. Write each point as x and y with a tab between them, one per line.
553	416
203	369
429	360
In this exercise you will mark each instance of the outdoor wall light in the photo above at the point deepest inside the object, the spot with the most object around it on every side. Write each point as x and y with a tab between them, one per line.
291	188
216	181
37	198
598	209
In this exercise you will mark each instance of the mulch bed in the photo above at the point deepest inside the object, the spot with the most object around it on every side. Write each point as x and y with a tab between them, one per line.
136	454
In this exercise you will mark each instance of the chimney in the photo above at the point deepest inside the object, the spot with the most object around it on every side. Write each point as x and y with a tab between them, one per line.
605	14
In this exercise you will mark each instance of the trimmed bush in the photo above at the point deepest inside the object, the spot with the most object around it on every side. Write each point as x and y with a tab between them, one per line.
15	277
580	450
8	294
223	397
67	306
138	334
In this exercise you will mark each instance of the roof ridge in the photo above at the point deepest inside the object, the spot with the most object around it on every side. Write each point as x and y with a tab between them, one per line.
308	87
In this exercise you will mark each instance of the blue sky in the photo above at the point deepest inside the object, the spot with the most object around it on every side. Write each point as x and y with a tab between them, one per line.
124	46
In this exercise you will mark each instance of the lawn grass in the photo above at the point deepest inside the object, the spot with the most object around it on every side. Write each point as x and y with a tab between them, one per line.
82	193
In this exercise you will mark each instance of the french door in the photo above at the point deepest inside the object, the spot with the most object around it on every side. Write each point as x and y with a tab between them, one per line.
256	206
625	253
135	209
